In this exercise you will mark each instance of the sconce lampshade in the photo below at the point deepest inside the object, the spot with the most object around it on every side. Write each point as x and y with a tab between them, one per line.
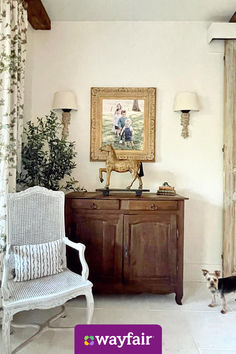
64	100
186	101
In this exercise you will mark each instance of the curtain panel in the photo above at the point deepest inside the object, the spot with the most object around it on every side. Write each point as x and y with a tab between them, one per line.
13	38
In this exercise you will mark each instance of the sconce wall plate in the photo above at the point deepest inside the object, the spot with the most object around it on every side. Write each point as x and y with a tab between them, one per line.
66	122
185	123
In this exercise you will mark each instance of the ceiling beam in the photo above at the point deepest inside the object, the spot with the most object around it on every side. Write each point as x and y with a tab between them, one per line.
233	18
37	15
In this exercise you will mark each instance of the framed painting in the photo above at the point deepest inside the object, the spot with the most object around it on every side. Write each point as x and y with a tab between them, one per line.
126	119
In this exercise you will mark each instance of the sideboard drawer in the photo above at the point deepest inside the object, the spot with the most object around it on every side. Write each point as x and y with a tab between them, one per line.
149	205
94	204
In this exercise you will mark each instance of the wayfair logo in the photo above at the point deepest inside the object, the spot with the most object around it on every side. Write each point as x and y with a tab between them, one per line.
120	341
89	340
107	339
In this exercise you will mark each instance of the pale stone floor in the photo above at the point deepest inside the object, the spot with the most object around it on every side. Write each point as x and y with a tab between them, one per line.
192	328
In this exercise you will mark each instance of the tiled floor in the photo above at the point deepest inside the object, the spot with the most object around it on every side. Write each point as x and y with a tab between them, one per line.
193	328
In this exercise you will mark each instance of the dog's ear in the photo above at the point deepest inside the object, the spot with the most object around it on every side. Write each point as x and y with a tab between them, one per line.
204	271
217	273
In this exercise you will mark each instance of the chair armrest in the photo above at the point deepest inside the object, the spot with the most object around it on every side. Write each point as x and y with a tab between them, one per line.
5	274
81	249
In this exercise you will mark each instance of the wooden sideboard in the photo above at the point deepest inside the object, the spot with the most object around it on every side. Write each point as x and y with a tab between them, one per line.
133	244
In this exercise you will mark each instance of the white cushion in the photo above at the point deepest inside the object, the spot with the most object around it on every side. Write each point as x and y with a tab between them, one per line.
37	261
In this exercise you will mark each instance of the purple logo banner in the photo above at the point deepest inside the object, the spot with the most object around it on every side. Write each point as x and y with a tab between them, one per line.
92	339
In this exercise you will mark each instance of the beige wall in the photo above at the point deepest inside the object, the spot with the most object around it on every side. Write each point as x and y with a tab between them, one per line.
170	56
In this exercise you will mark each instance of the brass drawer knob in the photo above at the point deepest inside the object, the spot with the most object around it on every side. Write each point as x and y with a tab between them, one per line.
93	206
153	207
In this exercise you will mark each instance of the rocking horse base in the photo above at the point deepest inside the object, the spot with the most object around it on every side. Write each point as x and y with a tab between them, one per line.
106	191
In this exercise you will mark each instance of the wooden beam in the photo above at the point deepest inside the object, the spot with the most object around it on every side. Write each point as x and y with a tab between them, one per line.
229	148
37	15
233	18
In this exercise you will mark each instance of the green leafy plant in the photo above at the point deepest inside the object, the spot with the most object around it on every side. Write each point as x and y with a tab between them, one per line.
47	158
73	184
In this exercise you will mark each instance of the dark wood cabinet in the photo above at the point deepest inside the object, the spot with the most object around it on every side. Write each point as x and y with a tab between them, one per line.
102	235
133	244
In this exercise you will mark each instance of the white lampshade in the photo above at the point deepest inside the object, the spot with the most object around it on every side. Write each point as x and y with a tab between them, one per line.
64	100
186	101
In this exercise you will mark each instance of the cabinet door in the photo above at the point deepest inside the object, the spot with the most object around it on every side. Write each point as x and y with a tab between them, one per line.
102	235
150	251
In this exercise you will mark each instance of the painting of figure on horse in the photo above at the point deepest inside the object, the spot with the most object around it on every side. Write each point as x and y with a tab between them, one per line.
113	163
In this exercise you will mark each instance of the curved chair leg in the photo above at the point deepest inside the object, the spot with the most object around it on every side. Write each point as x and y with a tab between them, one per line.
90	306
6	328
40	328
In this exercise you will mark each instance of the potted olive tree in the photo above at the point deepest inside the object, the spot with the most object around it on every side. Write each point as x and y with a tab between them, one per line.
47	157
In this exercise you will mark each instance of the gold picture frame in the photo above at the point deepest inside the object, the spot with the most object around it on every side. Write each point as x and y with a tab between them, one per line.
132	134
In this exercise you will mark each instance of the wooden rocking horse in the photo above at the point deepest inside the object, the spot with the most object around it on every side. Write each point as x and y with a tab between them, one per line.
135	167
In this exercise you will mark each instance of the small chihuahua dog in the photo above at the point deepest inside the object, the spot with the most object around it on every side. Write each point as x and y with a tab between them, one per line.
217	285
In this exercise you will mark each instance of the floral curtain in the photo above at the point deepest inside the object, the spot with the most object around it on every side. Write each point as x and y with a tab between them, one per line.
13	31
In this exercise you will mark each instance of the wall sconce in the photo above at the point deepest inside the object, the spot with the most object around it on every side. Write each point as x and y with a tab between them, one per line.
65	100
186	102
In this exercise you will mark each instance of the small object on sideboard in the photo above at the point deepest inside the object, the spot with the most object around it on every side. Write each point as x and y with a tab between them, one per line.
166	189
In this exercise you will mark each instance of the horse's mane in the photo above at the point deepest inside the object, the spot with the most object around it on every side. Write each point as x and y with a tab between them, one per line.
114	152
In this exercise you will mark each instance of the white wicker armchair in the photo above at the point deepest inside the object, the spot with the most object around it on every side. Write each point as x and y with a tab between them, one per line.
36	216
